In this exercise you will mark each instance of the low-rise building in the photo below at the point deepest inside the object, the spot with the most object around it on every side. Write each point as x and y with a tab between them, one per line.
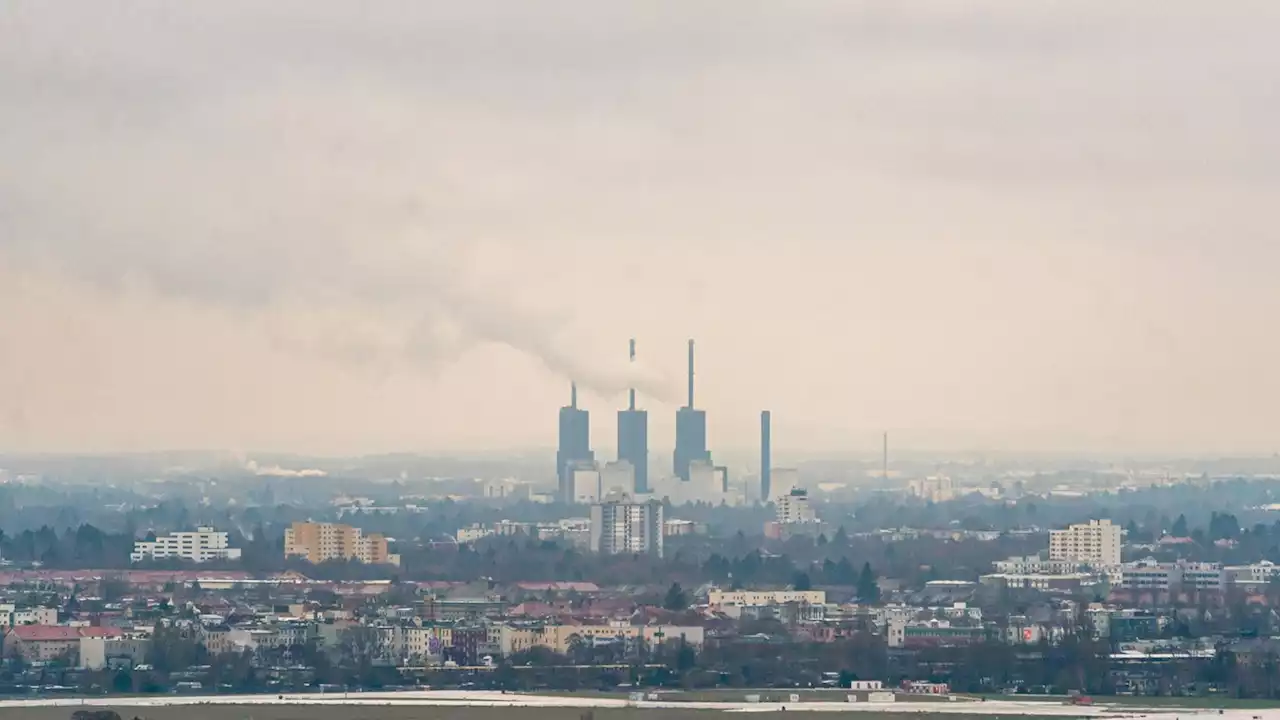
1149	575
1044	582
515	638
719	598
98	651
11	615
43	643
1034	565
202	545
1254	576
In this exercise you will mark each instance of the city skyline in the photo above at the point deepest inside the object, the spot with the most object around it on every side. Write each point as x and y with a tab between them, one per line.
998	227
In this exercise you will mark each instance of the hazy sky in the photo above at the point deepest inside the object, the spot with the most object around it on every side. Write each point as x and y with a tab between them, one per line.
359	226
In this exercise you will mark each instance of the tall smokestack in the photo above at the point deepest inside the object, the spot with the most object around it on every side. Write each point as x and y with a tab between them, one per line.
690	373
885	459
573	394
632	391
766	456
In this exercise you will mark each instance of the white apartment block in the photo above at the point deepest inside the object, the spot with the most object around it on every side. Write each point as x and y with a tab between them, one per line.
200	546
1259	573
471	534
1182	575
623	527
1096	543
794	508
11	615
1034	565
935	488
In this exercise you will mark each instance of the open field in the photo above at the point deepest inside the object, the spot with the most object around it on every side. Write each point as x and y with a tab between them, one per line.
460	705
402	712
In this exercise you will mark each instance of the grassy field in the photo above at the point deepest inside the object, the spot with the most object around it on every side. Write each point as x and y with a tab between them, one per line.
328	712
1212	702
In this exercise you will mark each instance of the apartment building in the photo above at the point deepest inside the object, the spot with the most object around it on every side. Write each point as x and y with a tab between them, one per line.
202	545
319	542
748	598
1034	565
626	527
1095	543
794	508
1182	575
42	643
514	638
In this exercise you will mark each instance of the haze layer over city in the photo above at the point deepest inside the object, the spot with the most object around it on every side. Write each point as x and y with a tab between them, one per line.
706	356
993	226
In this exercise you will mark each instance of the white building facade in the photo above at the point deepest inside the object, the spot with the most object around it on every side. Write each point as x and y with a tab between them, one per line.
202	545
625	527
794	508
1096	543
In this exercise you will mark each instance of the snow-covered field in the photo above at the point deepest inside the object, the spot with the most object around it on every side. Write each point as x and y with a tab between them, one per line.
445	698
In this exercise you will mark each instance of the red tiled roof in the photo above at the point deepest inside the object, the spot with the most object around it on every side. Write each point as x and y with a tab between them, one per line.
100	632
51	633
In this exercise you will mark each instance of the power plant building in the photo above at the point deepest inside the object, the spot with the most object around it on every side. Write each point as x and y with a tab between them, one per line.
574	446
766	453
633	437
691	433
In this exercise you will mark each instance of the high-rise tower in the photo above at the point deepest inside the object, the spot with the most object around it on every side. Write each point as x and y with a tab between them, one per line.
633	436
575	443
766	455
691	432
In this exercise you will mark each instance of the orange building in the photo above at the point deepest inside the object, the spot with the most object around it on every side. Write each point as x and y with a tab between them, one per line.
318	542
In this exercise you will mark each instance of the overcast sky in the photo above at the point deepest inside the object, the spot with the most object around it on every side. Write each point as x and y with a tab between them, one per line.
361	226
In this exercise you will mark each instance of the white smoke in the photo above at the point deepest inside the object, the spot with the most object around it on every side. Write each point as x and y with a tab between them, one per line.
332	219
277	471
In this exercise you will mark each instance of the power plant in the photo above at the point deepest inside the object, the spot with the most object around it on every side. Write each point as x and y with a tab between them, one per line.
693	477
691	433
633	436
574	447
766	455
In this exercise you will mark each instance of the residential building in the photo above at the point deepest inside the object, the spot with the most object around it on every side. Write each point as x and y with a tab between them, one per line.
1096	543
42	643
202	545
1045	582
1256	575
1149	575
319	542
471	534
721	598
935	488
11	615
1034	565
794	508
625	527
514	638
98	651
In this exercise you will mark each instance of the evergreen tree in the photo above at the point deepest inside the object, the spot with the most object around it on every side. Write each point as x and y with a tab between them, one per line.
1180	527
868	590
676	598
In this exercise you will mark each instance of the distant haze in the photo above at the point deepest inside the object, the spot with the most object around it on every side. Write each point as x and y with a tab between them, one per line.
341	227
